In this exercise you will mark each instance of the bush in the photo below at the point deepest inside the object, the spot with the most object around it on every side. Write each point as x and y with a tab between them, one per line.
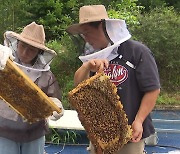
159	30
64	65
127	10
151	4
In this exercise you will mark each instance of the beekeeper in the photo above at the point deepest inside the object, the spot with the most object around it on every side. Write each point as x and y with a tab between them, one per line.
28	51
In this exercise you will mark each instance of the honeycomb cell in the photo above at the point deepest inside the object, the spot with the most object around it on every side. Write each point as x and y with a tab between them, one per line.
23	95
101	113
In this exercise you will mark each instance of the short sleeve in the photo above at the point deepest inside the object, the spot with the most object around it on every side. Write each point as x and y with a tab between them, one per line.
147	72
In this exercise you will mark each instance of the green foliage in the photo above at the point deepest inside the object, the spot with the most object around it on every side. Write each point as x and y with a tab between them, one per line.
54	15
151	4
65	64
174	3
11	15
126	10
51	14
159	30
59	137
169	99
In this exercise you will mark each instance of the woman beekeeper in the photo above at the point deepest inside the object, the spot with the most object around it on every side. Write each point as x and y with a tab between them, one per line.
29	52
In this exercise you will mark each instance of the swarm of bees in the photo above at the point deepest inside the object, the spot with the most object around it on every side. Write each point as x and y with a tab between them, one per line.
23	95
101	113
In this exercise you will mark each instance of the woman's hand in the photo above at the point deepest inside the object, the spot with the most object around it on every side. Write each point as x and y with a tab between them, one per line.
56	116
5	54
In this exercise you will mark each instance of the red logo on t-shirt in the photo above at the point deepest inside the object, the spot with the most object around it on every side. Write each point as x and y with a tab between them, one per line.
117	73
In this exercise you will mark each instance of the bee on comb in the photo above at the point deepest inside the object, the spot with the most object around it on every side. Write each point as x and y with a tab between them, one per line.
23	95
101	113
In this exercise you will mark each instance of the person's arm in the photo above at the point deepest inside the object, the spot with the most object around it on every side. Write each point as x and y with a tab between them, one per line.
81	74
147	104
56	116
53	91
94	65
5	54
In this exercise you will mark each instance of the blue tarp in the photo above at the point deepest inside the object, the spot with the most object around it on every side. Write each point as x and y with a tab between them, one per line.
167	141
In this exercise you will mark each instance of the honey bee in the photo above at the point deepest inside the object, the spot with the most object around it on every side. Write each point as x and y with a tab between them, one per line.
101	113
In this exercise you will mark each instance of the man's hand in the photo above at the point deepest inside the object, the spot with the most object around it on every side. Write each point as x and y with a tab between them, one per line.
147	104
137	130
56	115
96	65
5	54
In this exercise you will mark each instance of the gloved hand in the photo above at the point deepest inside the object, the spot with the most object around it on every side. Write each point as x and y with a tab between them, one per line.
56	115
5	53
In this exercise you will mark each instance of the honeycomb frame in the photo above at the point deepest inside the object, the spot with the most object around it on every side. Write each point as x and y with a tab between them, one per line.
101	113
16	87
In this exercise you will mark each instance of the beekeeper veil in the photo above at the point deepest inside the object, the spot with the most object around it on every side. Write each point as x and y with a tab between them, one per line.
33	35
114	29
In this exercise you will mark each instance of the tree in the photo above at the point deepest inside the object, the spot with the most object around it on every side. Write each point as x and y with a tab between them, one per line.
159	30
52	14
11	14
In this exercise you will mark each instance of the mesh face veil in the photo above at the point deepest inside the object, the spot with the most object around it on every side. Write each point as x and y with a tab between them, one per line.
42	60
79	42
116	32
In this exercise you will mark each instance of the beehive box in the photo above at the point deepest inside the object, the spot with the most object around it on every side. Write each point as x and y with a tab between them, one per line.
23	95
101	113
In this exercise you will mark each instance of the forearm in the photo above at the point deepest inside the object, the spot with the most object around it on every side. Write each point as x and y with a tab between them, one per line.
94	65
81	74
147	104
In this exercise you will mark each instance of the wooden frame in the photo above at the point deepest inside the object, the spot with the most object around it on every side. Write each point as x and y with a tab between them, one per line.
101	113
23	95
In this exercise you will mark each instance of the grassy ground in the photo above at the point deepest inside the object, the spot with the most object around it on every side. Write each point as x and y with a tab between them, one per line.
168	101
167	98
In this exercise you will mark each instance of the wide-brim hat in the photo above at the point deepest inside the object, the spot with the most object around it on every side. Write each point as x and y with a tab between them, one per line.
33	34
87	14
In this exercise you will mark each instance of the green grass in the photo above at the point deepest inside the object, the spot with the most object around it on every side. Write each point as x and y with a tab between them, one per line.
56	136
167	98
